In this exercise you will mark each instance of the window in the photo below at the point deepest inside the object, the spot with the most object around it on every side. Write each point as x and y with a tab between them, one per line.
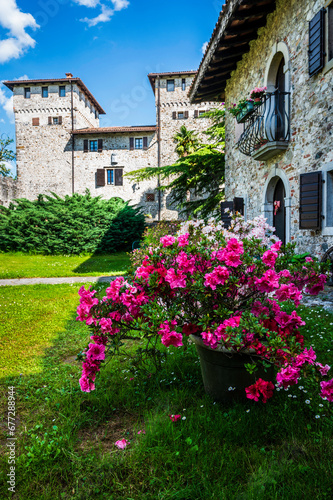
93	145
329	197
180	115
201	113
86	102
110	176
183	83
55	120
45	92
138	143
27	92
96	114
170	85
62	91
150	197
81	96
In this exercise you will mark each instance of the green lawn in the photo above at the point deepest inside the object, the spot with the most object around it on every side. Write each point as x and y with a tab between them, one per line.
65	438
21	265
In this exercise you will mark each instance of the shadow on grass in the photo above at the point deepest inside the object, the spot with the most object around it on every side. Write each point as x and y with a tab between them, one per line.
104	264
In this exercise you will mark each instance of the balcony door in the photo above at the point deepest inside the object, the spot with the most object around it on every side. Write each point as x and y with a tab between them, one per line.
279	212
279	111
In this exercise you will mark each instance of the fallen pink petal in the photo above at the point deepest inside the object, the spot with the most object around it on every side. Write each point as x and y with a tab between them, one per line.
122	443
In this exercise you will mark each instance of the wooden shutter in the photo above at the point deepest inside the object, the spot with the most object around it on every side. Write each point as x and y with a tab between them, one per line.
100	145
85	146
118	177
145	143
100	177
174	115
310	201
185	114
50	120
239	205
226	217
35	122
60	120
131	143
195	113
317	42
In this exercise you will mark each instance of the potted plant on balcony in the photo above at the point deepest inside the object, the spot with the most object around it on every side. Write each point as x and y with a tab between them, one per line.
224	287
242	110
257	94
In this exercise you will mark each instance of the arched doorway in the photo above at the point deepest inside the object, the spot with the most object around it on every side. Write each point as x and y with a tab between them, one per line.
279	212
277	203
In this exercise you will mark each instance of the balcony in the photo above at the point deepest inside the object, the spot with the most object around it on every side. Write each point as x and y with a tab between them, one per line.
267	129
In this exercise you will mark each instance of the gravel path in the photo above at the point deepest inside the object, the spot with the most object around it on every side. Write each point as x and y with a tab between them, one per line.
57	281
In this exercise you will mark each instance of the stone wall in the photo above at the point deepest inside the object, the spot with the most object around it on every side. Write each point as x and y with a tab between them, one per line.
86	165
310	146
8	190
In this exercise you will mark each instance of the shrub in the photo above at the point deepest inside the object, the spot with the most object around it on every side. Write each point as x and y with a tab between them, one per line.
225	286
70	225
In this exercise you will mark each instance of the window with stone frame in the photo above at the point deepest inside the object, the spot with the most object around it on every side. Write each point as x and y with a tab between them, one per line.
62	91
183	83
45	92
138	143
93	145
170	85
329	199
55	120
27	92
114	176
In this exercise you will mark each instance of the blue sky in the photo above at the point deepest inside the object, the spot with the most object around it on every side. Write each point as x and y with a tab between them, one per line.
110	44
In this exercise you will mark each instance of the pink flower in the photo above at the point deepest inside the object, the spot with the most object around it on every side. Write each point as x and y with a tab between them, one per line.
261	386
142	432
217	277
167	240
276	247
174	418
286	292
176	280
258	309
268	282
209	339
235	246
122	443
288	376
105	324
232	259
327	390
269	258
96	352
308	259
86	385
183	240
323	369
172	338
185	264
318	286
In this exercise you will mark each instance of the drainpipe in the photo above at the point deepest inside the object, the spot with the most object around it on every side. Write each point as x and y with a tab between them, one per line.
73	143
159	144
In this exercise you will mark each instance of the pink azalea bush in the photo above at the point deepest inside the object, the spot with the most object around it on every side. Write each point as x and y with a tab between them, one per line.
226	286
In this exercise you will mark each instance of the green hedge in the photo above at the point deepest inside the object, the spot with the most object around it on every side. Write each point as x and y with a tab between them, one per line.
71	225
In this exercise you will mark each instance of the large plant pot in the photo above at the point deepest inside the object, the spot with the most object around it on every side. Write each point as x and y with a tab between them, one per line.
245	112
223	369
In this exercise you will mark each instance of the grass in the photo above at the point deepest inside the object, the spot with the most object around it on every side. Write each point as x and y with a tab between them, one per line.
21	265
65	438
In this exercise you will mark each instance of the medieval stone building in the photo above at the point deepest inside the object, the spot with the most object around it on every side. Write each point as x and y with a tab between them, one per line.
279	157
62	148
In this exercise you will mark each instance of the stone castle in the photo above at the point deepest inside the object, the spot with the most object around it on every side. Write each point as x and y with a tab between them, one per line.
61	147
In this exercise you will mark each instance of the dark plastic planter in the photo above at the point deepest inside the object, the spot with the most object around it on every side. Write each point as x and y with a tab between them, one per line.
221	370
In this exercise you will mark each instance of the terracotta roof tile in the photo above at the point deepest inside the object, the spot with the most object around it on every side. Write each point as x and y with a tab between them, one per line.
115	130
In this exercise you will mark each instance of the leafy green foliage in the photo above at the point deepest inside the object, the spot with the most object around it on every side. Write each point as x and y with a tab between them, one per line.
71	225
6	155
199	173
186	140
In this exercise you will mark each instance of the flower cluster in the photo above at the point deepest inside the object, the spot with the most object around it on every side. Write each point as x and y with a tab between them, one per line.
258	93
226	286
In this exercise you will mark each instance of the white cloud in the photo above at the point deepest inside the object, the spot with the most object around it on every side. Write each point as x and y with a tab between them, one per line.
15	22
106	13
120	4
87	3
204	47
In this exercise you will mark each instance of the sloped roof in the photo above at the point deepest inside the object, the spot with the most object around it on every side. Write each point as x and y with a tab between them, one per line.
115	130
237	25
152	76
14	83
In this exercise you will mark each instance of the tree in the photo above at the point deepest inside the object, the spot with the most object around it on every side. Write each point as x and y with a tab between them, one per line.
6	154
186	140
201	171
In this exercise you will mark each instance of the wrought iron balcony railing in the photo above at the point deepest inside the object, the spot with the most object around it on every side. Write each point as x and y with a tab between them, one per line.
267	130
